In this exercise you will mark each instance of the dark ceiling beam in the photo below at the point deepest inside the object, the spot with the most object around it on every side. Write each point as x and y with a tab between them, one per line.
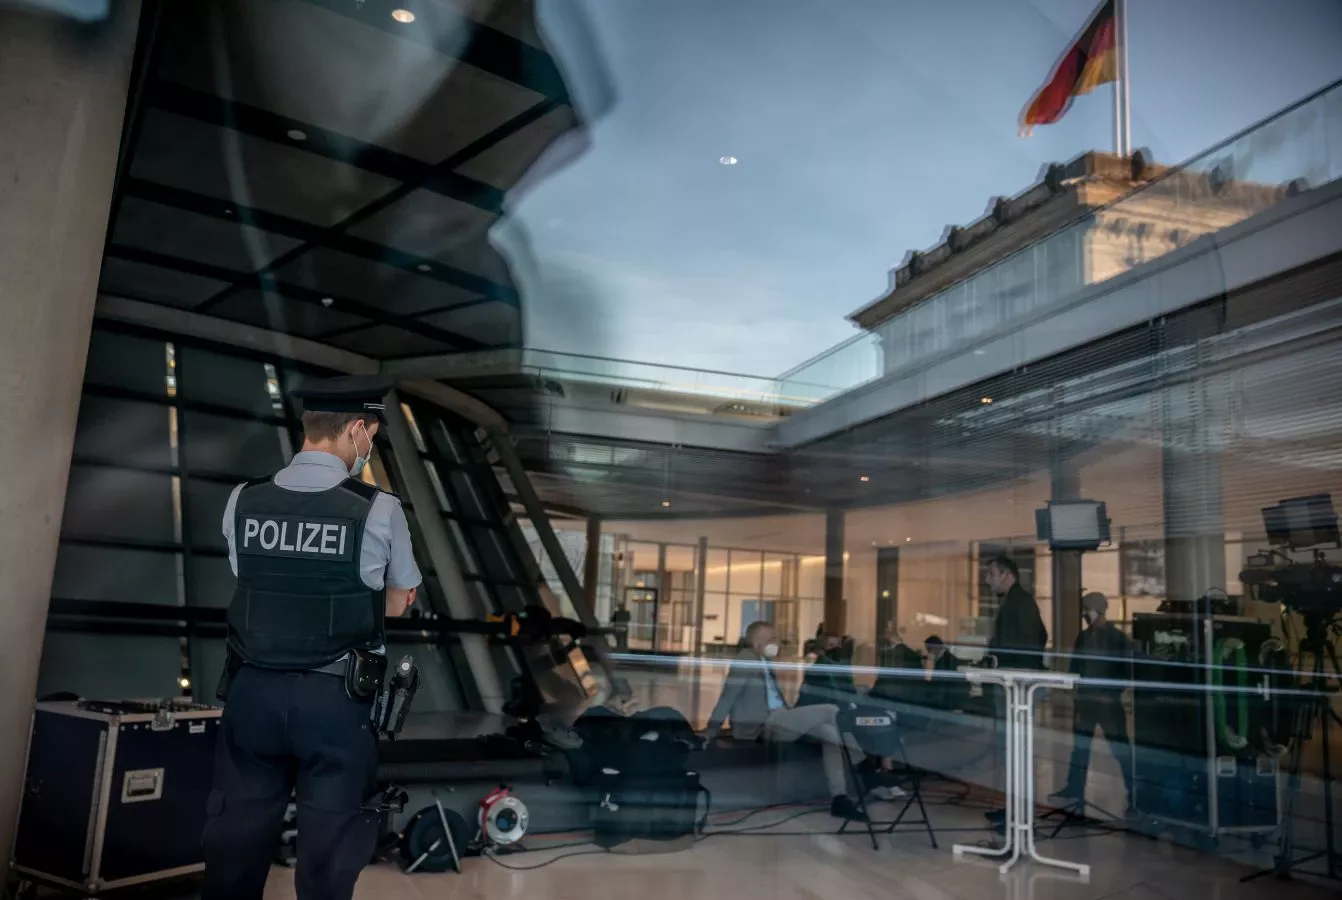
226	210
443	166
271	126
454	36
261	281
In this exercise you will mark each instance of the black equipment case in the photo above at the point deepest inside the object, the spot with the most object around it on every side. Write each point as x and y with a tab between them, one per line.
115	793
1202	703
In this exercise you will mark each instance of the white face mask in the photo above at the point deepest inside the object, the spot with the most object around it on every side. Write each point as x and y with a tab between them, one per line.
770	651
360	461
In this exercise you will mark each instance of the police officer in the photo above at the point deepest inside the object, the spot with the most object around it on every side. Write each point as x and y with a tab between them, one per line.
320	558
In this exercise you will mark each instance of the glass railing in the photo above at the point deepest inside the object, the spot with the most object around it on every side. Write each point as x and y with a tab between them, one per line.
1296	149
720	389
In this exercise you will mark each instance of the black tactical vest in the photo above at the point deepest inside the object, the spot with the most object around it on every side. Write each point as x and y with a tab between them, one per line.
300	602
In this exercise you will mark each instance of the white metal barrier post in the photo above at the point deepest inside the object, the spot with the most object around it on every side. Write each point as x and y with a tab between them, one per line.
1020	686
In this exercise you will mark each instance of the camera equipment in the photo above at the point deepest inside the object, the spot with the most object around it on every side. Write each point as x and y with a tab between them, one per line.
1302	522
1314	591
1073	524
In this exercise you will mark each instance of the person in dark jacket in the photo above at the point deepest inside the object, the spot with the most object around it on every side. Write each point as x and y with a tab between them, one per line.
1102	658
1018	636
829	679
945	691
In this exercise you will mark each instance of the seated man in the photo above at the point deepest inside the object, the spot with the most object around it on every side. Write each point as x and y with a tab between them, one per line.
901	677
945	690
829	679
753	704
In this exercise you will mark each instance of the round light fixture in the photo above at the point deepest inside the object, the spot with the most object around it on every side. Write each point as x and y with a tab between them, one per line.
728	160
666	504
297	134
404	16
328	302
864	478
985	400
908	540
424	267
184	683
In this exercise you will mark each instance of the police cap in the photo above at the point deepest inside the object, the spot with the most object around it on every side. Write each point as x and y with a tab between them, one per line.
347	394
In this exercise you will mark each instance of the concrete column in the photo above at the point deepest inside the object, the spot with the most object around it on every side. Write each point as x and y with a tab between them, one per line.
700	592
1194	414
835	612
62	103
1067	586
591	562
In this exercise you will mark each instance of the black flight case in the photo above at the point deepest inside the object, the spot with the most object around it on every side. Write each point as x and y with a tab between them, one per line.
115	793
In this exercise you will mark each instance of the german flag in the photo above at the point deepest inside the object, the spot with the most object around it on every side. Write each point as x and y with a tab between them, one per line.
1090	61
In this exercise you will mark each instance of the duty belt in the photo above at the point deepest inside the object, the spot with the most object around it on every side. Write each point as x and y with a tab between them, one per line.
336	668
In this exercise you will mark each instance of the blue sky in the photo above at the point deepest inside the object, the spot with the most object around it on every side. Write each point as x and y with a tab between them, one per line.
862	128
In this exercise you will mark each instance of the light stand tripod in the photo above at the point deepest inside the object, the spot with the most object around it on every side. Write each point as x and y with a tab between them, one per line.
1316	706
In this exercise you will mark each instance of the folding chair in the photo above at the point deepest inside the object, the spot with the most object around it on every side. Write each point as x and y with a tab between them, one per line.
875	732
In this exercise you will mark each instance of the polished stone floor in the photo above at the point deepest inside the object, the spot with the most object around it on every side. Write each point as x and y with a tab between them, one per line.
799	858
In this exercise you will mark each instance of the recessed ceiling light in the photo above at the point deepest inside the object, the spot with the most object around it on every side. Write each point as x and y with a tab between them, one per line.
728	160
864	478
297	134
404	16
424	267
980	352
666	503
985	400
908	540
328	302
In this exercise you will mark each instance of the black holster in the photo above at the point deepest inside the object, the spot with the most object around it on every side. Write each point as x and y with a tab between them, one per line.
364	672
232	663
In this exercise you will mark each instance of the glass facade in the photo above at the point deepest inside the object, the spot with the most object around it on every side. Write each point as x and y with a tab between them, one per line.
167	428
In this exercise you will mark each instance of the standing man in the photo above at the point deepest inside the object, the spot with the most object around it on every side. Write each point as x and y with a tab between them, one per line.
1018	636
320	557
754	705
1102	657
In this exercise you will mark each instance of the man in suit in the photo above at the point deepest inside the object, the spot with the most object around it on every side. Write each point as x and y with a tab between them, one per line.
1018	636
752	702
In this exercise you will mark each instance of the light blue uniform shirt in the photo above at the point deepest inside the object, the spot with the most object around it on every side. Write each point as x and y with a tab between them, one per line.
387	558
771	688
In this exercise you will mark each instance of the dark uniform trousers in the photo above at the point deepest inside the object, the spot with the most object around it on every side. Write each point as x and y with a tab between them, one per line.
282	730
1102	710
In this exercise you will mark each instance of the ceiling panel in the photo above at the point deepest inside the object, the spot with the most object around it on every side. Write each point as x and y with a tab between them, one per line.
145	282
376	87
196	156
516	18
377	284
489	323
387	341
504	164
428	224
277	313
187	235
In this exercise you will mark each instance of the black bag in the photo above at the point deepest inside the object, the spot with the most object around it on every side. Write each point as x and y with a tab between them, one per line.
656	813
647	795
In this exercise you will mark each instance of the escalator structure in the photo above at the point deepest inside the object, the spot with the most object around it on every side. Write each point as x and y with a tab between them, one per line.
482	577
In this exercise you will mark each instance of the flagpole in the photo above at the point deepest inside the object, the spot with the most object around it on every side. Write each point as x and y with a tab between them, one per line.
1122	111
